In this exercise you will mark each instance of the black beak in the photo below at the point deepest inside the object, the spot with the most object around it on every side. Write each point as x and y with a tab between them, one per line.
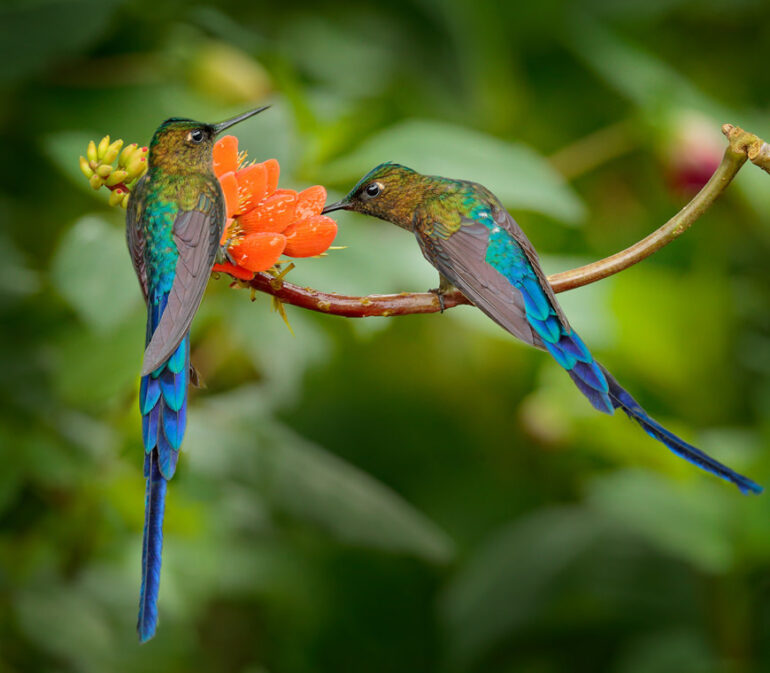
218	128
340	205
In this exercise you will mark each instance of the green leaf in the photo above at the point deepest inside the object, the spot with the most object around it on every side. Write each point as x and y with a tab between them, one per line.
37	34
92	271
512	576
231	433
519	176
693	524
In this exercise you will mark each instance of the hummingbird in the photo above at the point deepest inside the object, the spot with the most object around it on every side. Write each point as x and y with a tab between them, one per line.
475	244
174	223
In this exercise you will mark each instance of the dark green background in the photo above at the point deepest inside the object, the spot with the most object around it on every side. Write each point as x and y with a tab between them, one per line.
411	494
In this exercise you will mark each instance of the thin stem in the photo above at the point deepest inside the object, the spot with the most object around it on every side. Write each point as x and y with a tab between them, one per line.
742	146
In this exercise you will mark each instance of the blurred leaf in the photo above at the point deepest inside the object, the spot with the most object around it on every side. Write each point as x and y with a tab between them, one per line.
93	367
16	279
37	34
223	73
520	177
55	616
650	320
323	49
644	79
92	271
508	581
664	651
305	481
677	519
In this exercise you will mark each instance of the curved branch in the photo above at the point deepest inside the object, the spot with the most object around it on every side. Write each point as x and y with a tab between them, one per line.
742	146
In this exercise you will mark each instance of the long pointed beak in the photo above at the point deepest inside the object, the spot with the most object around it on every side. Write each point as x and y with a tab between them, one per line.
218	128
340	205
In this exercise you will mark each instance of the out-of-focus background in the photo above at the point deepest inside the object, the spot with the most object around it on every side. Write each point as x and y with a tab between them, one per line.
409	494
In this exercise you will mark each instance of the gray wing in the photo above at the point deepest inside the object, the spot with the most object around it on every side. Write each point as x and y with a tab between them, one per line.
461	258
134	236
196	234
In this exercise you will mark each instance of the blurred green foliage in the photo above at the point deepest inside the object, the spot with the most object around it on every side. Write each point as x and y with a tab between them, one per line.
414	494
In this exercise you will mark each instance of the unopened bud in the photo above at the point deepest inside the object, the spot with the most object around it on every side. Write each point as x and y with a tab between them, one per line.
101	150
87	170
126	154
91	153
116	197
112	152
124	203
116	177
96	181
137	166
104	170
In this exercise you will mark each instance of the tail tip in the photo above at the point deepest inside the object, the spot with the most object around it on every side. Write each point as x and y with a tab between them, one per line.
146	631
748	487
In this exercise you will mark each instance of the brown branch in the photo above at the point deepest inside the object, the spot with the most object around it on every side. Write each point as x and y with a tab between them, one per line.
742	146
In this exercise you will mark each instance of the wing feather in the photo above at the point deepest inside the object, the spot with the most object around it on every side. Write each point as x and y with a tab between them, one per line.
134	236
197	234
461	258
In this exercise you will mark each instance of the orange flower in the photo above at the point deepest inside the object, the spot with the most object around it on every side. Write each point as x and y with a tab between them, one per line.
265	222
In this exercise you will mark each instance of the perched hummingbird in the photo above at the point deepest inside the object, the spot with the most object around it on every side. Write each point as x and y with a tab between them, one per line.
467	235
175	219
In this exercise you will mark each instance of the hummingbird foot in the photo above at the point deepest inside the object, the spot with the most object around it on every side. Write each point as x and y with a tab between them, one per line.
440	296
445	286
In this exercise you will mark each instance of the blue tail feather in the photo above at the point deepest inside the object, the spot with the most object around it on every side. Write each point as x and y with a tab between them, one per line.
622	399
152	545
163	403
150	424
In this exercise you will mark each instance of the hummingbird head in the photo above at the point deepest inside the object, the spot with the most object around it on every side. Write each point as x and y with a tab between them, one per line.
186	146
390	192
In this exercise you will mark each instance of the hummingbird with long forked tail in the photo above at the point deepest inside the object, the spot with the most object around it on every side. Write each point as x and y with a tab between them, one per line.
175	219
470	238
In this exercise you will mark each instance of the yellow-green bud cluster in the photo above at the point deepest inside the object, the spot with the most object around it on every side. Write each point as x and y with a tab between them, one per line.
98	167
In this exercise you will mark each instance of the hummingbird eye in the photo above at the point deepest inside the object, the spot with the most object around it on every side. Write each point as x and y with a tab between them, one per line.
371	190
195	136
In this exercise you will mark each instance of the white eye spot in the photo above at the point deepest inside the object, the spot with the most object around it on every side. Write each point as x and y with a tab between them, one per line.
495	230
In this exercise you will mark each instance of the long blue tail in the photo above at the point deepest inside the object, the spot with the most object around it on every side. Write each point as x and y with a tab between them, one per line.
606	395
163	403
621	399
152	545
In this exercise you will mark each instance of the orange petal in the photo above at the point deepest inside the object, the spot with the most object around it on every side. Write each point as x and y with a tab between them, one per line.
225	155
258	252
226	233
273	171
275	213
252	186
310	237
229	185
235	271
310	202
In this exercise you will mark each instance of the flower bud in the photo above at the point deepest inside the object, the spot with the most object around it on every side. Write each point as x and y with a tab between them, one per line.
116	177
112	152
87	170
116	197
104	170
137	166
101	150
124	203
91	153
96	181
126	154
